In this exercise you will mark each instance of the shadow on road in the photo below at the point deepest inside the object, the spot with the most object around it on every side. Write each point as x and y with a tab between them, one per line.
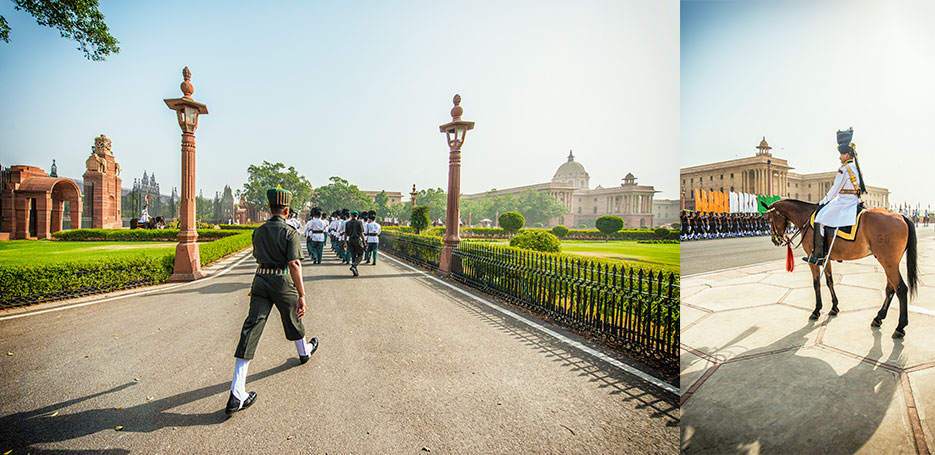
661	404
20	430
790	402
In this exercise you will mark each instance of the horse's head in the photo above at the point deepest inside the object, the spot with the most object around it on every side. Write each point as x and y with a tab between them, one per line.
778	223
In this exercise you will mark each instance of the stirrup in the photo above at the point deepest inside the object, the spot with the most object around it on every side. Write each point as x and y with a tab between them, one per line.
814	260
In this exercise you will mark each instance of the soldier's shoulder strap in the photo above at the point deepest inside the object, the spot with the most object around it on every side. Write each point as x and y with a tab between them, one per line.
853	177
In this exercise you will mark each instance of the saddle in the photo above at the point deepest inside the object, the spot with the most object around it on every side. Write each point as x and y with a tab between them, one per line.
844	232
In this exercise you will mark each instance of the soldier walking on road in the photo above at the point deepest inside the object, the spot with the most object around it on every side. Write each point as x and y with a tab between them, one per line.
354	241
315	233
278	282
372	234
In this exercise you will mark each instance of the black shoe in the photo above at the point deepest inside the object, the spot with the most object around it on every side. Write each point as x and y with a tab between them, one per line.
233	404
304	358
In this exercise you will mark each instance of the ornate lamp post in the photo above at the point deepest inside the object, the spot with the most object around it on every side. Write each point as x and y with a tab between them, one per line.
455	130
187	258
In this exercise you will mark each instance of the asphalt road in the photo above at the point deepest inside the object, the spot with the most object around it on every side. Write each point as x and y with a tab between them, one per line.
405	365
702	256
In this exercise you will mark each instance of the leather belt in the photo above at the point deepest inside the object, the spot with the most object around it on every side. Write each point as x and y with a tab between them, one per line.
317	232
848	191
262	270
372	234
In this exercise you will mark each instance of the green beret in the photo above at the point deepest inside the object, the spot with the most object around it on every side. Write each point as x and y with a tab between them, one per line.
278	196
354	212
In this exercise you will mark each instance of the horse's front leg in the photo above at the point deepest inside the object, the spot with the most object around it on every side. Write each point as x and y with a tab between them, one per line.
816	283
830	281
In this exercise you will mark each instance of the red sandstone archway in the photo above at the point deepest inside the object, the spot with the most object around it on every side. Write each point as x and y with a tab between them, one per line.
33	203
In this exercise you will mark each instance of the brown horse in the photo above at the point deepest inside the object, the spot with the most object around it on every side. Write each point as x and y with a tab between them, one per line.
882	233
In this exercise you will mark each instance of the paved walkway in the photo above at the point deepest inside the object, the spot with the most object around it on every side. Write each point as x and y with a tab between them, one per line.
758	376
406	365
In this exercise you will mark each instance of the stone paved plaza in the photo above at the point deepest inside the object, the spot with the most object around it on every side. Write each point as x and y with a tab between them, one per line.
758	376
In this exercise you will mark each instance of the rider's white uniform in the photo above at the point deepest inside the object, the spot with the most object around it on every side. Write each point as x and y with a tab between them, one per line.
842	208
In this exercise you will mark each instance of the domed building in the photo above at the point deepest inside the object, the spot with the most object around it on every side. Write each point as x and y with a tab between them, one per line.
570	186
572	172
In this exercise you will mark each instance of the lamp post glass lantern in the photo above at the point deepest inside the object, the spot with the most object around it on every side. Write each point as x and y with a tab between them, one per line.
455	131
187	110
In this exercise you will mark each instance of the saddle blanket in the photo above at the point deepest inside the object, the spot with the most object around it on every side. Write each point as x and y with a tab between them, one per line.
844	232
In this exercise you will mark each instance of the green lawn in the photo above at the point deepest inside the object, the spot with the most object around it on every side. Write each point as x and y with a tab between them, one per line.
31	252
622	250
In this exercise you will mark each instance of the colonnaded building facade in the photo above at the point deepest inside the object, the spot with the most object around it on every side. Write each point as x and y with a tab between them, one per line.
765	174
570	186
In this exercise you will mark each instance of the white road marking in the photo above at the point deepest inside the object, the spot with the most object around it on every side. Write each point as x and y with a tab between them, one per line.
109	299
644	376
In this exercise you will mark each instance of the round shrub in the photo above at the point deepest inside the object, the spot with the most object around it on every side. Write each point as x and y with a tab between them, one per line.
662	233
608	224
538	225
560	231
511	221
537	240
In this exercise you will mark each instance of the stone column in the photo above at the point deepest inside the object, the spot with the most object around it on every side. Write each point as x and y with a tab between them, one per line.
57	208
187	256
43	215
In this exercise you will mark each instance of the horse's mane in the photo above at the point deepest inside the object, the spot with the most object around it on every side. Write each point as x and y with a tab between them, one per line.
798	201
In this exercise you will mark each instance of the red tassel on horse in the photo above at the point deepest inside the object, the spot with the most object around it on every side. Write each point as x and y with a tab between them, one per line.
790	261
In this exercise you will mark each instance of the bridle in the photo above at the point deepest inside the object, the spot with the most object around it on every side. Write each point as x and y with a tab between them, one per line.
781	238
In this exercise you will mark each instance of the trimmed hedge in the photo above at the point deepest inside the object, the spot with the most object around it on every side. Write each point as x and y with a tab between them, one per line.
239	227
136	235
573	234
36	283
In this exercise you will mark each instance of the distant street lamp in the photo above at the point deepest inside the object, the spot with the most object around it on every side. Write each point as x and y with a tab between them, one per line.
455	130
187	258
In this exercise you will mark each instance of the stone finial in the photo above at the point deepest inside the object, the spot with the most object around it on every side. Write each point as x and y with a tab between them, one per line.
457	110
102	145
187	87
413	187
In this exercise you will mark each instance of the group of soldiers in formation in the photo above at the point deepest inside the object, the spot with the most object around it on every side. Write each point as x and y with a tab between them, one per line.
354	236
709	225
277	247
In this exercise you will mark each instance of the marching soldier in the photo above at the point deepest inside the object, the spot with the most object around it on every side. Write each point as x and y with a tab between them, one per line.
315	235
839	207
277	282
293	221
354	241
372	233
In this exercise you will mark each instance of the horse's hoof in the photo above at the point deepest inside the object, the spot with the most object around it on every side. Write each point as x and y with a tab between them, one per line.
833	312
875	323
899	334
813	316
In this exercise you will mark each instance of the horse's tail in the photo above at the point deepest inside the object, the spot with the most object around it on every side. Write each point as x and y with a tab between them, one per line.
911	267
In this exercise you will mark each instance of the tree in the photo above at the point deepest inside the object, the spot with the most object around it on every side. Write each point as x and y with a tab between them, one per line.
511	221
608	224
436	200
535	206
420	219
77	20
381	204
400	210
340	194
268	175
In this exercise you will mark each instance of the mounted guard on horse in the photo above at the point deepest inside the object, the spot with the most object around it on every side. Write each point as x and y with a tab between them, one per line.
880	232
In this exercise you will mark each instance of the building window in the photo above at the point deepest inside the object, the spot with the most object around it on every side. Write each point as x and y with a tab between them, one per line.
595	209
731	175
692	180
809	197
711	177
683	181
579	209
809	185
722	176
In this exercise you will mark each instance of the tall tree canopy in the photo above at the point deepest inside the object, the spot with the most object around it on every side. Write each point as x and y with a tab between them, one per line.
436	200
381	204
340	194
535	206
79	20
268	175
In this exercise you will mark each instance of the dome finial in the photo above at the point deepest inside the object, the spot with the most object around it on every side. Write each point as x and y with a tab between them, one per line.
571	156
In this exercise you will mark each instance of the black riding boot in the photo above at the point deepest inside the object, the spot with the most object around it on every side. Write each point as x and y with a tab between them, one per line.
818	250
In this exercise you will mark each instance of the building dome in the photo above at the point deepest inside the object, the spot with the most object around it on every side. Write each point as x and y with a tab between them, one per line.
572	172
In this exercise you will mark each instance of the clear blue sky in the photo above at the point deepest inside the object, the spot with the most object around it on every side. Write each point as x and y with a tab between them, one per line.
357	89
797	71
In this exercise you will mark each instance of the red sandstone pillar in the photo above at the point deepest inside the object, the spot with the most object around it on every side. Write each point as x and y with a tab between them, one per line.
187	256
456	130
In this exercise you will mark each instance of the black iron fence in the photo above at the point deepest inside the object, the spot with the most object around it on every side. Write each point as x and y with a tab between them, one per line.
423	250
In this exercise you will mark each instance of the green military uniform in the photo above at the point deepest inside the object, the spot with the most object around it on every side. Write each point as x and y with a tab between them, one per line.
354	230
275	244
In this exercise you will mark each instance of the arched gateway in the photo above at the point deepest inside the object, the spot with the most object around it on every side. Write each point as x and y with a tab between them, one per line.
33	203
